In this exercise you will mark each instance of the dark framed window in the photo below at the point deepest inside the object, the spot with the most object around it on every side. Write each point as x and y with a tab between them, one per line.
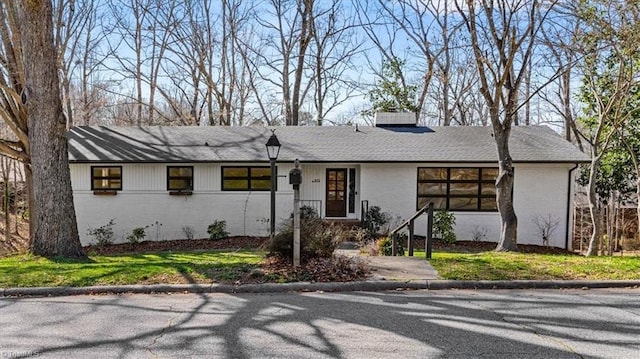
179	178
458	189
106	178
247	178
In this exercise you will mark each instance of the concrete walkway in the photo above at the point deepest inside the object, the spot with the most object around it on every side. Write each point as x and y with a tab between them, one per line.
403	269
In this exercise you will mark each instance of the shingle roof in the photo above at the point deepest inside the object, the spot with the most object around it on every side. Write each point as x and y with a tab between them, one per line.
314	144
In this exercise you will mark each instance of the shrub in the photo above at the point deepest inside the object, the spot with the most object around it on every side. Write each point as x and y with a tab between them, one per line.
137	235
443	222
375	219
479	234
156	224
217	230
103	235
362	236
317	238
307	212
385	245
545	225
630	244
323	243
371	249
189	232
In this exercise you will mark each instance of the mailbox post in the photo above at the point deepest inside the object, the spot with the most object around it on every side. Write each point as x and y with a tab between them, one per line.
295	179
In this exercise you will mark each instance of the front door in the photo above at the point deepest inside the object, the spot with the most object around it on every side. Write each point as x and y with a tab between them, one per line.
336	192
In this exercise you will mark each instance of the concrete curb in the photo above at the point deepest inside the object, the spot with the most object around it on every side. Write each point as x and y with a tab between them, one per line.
370	286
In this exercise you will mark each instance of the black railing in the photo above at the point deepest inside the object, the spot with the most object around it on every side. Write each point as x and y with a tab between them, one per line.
364	210
409	223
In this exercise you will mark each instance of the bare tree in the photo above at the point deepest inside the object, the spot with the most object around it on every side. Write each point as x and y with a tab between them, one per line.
89	92
560	46
384	22
162	23
52	214
502	36
12	92
286	35
7	167
130	17
12	82
71	19
610	80
206	63
332	50
138	43
191	45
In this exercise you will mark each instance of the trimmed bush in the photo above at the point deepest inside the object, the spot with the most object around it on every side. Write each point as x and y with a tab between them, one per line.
317	238
375	219
103	235
137	235
217	230
385	244
189	232
443	223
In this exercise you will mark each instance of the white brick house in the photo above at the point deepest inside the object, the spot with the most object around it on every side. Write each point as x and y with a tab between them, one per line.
191	176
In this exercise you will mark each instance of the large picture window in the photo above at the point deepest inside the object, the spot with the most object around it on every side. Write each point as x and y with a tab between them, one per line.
180	178
106	178
458	189
246	178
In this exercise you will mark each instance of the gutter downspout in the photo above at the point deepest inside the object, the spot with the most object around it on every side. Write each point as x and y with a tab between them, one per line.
566	235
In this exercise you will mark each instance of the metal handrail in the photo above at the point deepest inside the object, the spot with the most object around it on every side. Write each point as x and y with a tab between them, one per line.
428	209
364	209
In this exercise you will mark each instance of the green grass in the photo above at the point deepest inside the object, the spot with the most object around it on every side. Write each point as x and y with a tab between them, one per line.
509	266
225	266
151	268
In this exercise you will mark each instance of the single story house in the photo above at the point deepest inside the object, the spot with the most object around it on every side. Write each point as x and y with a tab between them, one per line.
175	179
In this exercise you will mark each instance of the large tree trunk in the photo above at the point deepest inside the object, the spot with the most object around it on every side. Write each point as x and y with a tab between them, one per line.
504	192
52	214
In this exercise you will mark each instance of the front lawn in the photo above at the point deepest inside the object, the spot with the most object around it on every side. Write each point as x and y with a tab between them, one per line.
492	265
144	268
245	266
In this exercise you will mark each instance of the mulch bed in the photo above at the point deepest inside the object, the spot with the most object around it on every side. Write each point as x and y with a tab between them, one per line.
478	246
240	242
271	269
179	245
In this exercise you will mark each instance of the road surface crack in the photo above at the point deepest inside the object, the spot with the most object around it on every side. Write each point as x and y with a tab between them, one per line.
161	333
533	330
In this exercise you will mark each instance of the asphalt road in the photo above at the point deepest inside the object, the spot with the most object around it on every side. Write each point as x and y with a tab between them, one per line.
415	324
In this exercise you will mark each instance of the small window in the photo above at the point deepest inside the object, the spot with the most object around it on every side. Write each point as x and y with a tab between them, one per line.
180	178
246	178
106	178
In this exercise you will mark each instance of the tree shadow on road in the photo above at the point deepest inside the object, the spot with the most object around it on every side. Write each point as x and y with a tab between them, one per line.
332	325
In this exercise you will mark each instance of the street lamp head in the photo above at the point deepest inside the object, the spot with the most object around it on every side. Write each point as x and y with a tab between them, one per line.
273	146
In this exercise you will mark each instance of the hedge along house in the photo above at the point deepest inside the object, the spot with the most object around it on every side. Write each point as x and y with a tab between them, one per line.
187	177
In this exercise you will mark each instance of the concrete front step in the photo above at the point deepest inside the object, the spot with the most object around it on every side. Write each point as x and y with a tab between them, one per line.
405	269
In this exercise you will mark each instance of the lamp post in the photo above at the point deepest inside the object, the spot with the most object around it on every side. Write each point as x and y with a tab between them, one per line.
273	149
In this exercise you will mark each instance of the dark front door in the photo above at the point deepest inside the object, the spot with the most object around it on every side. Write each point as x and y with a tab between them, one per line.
336	192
